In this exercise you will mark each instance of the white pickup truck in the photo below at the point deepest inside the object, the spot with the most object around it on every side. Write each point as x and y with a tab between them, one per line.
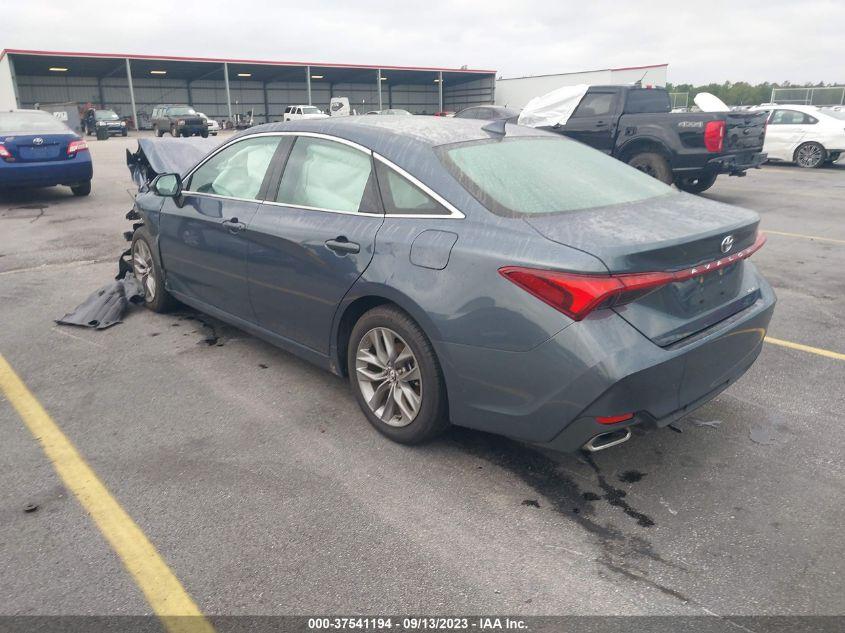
298	112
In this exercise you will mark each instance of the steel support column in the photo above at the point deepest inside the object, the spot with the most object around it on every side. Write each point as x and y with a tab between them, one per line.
132	95
440	89
228	92
378	80
308	83
266	103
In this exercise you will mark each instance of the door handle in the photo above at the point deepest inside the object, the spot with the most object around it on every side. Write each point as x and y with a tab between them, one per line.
342	245
233	225
601	124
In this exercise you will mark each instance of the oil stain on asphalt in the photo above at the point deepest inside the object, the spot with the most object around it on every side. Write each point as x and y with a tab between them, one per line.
620	552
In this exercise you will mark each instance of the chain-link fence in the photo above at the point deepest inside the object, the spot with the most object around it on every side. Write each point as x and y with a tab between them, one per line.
832	95
679	99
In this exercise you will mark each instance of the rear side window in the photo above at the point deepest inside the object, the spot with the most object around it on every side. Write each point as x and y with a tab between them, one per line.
238	170
644	100
322	174
594	104
791	117
402	197
538	175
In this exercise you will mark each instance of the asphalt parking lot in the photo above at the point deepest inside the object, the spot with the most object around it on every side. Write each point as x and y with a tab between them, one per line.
264	489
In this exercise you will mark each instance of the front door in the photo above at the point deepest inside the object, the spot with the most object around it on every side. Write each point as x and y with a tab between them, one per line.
312	239
785	131
202	233
594	121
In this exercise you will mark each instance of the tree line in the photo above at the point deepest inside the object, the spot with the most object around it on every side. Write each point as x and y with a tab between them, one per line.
741	93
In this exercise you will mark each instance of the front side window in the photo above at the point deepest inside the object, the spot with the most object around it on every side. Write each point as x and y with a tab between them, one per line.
401	197
323	174
538	175
594	104
236	171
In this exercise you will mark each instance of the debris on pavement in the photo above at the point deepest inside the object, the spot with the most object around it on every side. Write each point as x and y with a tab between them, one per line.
713	424
106	306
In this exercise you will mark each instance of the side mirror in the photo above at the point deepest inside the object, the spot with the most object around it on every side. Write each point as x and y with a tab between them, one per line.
167	185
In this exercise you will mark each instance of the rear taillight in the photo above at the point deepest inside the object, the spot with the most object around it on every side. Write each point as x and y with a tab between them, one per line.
577	295
75	147
4	153
714	135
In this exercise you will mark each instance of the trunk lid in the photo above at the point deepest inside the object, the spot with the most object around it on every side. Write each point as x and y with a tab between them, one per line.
669	233
38	147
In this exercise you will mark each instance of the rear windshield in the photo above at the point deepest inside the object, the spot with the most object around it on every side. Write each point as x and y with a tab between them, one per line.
647	100
537	175
17	122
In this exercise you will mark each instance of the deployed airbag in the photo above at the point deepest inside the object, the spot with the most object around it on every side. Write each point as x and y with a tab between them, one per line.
553	108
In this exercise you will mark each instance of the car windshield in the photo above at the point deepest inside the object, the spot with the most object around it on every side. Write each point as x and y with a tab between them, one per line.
310	110
180	111
106	115
537	175
37	121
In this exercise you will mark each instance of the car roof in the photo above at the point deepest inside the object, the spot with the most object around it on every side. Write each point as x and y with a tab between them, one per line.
382	133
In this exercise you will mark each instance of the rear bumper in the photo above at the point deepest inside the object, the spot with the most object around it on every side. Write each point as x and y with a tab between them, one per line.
46	174
599	367
736	164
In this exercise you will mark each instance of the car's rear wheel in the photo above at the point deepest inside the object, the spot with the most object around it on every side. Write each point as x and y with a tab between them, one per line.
696	184
810	155
158	132
147	269
81	190
395	376
652	164
174	131
204	134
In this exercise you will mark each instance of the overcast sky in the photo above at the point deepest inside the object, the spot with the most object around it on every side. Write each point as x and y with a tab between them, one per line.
702	40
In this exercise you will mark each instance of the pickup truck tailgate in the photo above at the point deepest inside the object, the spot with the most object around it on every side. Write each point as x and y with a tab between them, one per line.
744	131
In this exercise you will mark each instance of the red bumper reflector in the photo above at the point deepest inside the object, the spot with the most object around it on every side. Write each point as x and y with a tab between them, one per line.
613	419
576	294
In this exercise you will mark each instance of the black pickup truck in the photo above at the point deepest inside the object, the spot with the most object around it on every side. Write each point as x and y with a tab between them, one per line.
636	125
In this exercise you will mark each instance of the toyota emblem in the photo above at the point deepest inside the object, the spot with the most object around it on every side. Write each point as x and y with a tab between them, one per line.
727	243
38	141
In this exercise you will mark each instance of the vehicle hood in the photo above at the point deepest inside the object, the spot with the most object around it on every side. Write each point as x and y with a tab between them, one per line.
666	233
710	103
156	156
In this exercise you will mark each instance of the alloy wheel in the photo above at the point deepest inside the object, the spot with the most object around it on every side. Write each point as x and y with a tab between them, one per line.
809	155
389	376
142	264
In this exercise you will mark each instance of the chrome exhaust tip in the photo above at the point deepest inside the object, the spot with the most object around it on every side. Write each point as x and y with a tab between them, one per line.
607	440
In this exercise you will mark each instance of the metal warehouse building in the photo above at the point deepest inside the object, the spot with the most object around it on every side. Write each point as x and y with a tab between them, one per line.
516	92
133	84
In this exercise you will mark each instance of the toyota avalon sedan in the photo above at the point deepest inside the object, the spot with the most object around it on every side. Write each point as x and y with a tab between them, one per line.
466	272
38	150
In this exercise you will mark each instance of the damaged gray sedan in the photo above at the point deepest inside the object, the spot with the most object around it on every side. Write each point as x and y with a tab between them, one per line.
459	271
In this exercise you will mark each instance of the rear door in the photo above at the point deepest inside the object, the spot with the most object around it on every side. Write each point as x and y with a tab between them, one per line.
202	233
594	120
786	130
313	238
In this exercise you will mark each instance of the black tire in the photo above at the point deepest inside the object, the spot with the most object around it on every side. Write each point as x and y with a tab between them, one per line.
432	415
174	131
82	190
696	184
124	133
158	132
832	157
810	155
204	134
161	301
652	164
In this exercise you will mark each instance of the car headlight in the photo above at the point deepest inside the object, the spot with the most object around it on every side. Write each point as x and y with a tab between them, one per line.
180	122
123	124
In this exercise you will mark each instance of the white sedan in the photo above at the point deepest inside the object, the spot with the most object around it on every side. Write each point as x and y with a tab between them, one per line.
804	135
213	125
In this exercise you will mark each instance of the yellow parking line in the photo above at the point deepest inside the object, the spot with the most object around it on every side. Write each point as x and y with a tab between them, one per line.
806	237
805	348
165	594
